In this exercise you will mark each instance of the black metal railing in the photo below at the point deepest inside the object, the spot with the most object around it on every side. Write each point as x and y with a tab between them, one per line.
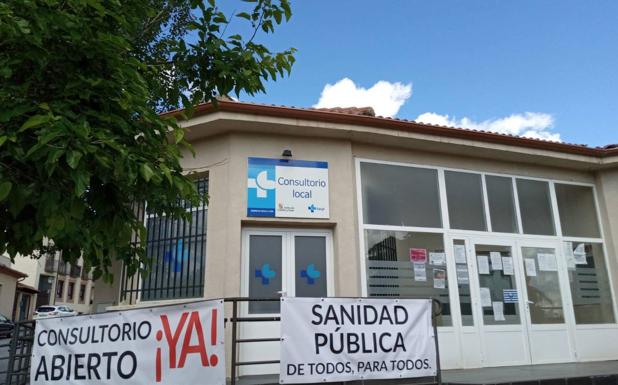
51	264
19	354
76	271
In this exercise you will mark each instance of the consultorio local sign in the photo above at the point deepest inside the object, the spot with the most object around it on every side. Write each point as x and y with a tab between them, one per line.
287	188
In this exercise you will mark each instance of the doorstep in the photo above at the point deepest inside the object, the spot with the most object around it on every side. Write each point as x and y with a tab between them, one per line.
572	373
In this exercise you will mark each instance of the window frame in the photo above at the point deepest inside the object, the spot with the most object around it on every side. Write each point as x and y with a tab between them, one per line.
450	234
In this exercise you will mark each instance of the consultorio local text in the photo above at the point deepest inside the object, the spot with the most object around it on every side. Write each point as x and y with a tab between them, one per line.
304	182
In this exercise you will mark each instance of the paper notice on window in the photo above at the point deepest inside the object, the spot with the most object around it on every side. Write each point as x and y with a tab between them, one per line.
530	267
498	308
460	254
418	255
496	260
485	297
483	264
420	272
580	254
439	279
462	275
547	262
438	259
568	255
507	265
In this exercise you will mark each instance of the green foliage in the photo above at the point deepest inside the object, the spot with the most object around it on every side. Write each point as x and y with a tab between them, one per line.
82	83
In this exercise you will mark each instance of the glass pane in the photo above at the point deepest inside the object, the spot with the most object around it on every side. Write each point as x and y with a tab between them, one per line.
535	207
543	285
310	265
590	289
400	196
265	270
464	193
405	264
463	282
578	214
501	204
498	288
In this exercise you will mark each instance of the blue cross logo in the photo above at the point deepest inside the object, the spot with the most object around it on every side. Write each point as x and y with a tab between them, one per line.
311	274
312	208
178	258
265	273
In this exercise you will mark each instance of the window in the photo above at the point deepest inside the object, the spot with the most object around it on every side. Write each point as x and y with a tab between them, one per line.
59	289
464	193
405	264
265	272
400	195
535	207
590	289
501	204
578	214
70	291
82	293
177	249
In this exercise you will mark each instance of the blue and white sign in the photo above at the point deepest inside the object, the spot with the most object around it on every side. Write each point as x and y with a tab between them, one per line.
510	296
287	188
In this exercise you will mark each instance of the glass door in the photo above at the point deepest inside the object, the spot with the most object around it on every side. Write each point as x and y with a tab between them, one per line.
544	271
500	306
276	262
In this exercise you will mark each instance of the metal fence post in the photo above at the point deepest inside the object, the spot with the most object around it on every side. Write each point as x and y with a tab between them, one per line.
233	365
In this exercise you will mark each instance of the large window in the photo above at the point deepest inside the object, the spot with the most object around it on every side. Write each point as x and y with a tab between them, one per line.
501	204
400	196
464	192
410	265
590	289
578	215
404	262
177	253
535	207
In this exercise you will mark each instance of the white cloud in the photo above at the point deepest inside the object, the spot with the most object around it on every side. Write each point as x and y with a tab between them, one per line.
529	124
386	98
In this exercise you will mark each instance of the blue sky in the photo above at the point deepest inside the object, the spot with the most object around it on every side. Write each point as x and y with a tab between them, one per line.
551	66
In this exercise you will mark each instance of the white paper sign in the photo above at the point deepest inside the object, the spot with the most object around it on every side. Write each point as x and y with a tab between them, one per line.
483	264
439	279
347	339
547	262
485	297
437	259
460	254
420	272
580	254
530	267
462	275
507	265
496	260
498	308
568	255
181	344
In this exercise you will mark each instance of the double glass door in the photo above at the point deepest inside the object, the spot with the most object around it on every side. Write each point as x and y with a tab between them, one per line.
518	299
294	263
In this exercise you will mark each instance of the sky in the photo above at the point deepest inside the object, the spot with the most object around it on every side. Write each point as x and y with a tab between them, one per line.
543	69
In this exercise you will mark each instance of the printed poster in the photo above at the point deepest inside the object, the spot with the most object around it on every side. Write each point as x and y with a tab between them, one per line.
498	308
547	262
579	254
438	259
507	265
530	267
460	254
483	264
462	275
496	260
485	297
418	255
439	279
420	272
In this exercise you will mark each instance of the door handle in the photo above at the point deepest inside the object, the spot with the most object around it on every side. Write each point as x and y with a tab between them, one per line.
530	302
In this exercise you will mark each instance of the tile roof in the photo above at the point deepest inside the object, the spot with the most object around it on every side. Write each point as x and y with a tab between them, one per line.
362	116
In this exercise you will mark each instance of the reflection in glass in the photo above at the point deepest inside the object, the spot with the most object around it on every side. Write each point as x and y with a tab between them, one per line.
464	194
497	282
578	214
590	289
543	286
535	207
310	266
265	272
501	204
391	272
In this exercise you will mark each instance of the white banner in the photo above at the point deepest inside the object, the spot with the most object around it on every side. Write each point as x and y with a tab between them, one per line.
339	339
175	345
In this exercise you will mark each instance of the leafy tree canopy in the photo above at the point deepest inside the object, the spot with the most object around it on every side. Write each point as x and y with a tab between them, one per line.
82	86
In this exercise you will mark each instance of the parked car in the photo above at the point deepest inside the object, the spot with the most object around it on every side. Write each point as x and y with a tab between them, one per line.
49	311
6	327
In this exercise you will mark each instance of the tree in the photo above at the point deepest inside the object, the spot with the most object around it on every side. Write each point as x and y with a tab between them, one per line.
82	86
